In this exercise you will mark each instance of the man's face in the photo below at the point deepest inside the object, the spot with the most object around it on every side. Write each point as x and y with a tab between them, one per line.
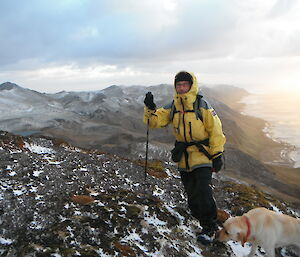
182	87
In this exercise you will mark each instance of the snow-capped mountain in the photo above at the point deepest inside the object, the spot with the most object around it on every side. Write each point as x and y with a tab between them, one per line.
87	113
15	100
23	109
75	116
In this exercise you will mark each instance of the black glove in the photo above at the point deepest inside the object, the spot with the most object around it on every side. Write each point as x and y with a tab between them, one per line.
149	101
217	164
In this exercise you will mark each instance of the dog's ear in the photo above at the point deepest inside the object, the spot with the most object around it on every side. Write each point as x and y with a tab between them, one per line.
242	238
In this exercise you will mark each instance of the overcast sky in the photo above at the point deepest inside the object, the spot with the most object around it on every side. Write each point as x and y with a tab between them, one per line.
49	45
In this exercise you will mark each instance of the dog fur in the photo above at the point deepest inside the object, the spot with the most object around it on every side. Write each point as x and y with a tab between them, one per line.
268	229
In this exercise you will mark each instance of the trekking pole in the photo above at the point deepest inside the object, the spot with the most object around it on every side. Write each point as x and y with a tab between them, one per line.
146	158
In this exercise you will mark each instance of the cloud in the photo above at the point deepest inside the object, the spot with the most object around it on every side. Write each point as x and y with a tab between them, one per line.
133	41
106	30
75	78
282	7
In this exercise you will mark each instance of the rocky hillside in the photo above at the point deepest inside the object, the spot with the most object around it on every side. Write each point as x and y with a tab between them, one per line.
60	200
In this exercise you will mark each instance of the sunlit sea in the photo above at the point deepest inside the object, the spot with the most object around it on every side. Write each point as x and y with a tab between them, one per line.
282	112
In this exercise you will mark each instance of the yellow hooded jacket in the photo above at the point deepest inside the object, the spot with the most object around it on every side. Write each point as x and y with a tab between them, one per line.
187	128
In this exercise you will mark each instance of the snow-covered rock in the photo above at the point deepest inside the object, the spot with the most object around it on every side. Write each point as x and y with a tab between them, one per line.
120	213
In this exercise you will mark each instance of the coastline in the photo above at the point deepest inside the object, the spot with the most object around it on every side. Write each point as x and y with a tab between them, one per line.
276	155
281	152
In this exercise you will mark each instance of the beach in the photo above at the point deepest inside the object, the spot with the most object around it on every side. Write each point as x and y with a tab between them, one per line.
280	111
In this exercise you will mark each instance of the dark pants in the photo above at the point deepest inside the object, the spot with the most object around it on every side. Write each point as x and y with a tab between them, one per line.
197	185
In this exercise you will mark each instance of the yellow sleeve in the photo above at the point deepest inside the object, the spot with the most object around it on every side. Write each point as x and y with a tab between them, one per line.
157	118
213	126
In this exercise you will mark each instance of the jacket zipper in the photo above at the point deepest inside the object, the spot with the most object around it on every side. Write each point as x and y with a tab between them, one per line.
191	134
184	133
184	130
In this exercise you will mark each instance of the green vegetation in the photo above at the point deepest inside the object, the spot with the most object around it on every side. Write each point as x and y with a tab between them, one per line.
155	168
244	198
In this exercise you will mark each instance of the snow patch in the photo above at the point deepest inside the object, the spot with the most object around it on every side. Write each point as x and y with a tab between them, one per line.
153	220
132	237
13	173
14	151
38	149
5	241
158	191
241	251
35	225
55	255
275	208
100	203
102	253
38	197
53	162
33	189
175	213
18	192
197	251
36	173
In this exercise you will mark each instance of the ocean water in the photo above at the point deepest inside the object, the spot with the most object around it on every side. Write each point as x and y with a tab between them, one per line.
282	112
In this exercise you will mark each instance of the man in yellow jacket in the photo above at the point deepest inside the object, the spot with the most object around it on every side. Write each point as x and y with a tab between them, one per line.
198	147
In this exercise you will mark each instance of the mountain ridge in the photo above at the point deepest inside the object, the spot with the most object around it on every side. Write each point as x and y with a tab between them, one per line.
110	120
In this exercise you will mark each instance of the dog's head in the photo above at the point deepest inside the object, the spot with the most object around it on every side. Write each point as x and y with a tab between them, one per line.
233	229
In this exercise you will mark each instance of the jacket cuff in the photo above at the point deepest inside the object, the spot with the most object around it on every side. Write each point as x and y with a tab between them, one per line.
214	156
148	112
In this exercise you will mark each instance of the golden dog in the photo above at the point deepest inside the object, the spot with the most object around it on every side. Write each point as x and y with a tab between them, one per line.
264	228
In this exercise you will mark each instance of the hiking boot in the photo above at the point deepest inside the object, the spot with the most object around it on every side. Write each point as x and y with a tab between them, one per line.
206	236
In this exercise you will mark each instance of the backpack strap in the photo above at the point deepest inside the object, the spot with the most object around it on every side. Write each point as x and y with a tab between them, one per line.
196	106
197	110
173	110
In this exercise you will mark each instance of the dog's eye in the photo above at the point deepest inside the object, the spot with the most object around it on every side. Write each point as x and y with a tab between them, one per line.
226	232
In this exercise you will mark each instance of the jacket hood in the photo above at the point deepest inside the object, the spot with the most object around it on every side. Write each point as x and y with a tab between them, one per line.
188	98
